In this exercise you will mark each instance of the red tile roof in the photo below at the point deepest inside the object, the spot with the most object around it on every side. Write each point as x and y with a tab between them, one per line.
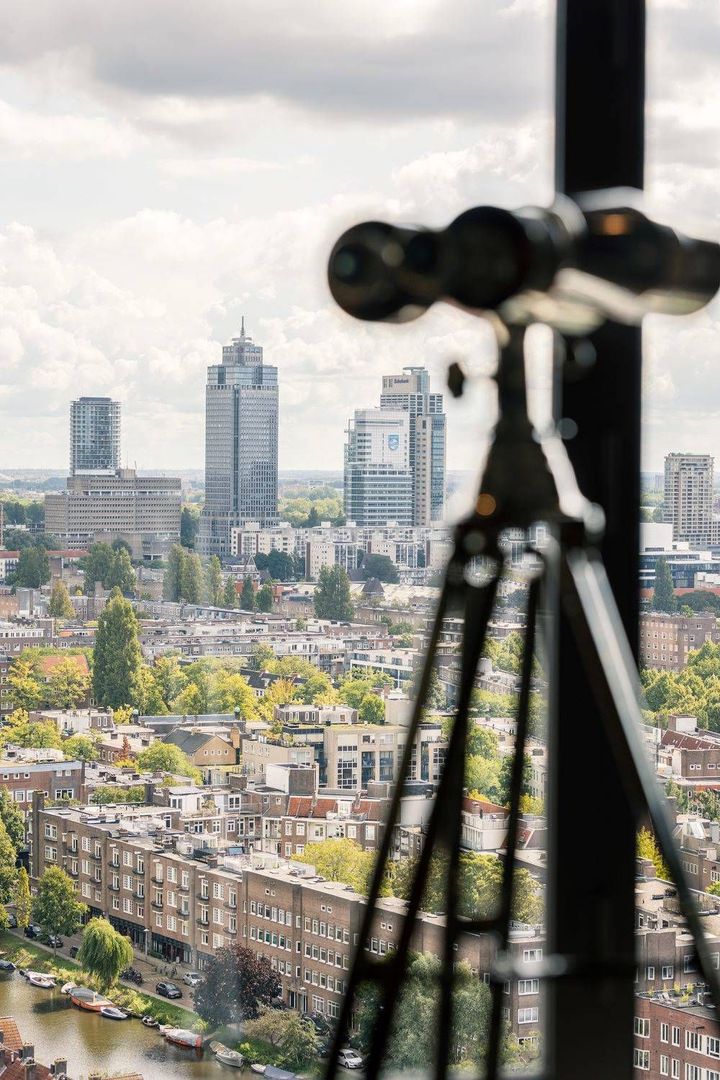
11	1033
47	664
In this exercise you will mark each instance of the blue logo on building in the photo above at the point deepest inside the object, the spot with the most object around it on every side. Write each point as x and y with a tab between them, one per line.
393	442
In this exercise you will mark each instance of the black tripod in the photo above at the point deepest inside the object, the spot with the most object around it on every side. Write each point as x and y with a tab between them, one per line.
527	479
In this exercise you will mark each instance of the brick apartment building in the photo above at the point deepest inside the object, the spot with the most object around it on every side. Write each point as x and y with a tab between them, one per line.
666	640
676	1038
25	772
176	899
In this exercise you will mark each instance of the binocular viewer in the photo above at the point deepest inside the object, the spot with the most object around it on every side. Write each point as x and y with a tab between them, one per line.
581	261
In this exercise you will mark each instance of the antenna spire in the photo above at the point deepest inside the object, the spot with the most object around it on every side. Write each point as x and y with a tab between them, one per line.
242	326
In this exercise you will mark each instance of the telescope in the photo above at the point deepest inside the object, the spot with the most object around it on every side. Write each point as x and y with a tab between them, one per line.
596	256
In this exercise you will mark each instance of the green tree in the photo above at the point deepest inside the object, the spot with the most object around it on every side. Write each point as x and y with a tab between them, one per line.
80	748
12	818
97	565
247	596
189	525
230	594
170	677
56	907
713	888
482	775
33	569
232	691
262	657
122	574
38	735
60	606
317	689
172	578
647	848
147	695
437	698
164	757
192	580
294	1041
264	598
342	860
25	689
236	984
22	898
506	767
332	595
381	567
8	871
213	581
279	565
372	710
117	658
68	685
104	952
664	598
354	688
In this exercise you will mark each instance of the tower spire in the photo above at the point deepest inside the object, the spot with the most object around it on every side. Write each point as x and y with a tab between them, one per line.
242	326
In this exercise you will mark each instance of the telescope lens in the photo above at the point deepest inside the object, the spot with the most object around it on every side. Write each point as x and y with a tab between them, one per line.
363	272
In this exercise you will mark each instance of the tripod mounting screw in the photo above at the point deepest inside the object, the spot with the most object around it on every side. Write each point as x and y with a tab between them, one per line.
456	379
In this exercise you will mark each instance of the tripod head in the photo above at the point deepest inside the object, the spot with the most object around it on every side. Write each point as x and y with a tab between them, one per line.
581	261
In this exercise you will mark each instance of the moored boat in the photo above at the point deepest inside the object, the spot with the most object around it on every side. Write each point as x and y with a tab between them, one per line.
43	981
29	975
67	987
183	1037
258	1068
227	1056
150	1021
273	1073
6	967
112	1013
88	999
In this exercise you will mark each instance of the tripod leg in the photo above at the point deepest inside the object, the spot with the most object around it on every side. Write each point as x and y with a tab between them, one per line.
492	1059
590	607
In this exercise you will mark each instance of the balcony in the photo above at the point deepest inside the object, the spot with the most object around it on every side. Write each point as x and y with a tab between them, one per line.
139	895
202	921
157	905
140	872
113	888
157	880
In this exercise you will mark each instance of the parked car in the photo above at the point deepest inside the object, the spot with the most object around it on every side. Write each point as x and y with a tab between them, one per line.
350	1059
12	920
192	978
318	1021
74	950
168	990
32	930
53	940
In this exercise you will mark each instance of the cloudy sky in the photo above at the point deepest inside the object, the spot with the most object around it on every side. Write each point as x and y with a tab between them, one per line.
168	166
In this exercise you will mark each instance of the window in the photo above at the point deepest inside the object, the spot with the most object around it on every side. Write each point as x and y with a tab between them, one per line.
642	1059
675	1067
668	971
693	1041
693	1072
664	1065
642	1027
664	1033
528	1016
650	974
676	1036
528	986
713	1046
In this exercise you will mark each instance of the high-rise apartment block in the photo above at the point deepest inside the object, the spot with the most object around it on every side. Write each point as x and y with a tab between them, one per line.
94	435
688	503
395	455
241	444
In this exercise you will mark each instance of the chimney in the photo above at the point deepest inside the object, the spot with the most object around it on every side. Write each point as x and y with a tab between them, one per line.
30	1069
58	1067
27	1052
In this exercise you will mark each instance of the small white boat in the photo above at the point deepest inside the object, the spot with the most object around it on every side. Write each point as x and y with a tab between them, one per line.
67	987
258	1068
150	1021
183	1037
29	975
226	1056
113	1014
42	981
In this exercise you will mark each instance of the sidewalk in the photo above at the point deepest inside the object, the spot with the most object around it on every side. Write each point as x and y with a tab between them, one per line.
153	971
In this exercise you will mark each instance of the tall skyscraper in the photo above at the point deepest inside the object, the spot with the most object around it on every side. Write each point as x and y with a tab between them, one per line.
241	444
378	477
371	485
688	501
94	435
411	392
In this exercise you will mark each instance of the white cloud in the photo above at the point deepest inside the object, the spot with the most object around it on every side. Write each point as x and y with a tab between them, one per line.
26	133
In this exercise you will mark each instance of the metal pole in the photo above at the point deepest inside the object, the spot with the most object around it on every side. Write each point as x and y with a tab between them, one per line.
591	872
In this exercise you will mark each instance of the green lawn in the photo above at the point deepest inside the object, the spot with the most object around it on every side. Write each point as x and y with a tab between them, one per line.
23	953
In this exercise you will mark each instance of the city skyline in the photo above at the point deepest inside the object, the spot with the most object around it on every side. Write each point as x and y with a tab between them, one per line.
154	195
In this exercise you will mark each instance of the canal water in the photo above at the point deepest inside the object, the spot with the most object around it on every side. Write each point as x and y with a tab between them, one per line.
92	1043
